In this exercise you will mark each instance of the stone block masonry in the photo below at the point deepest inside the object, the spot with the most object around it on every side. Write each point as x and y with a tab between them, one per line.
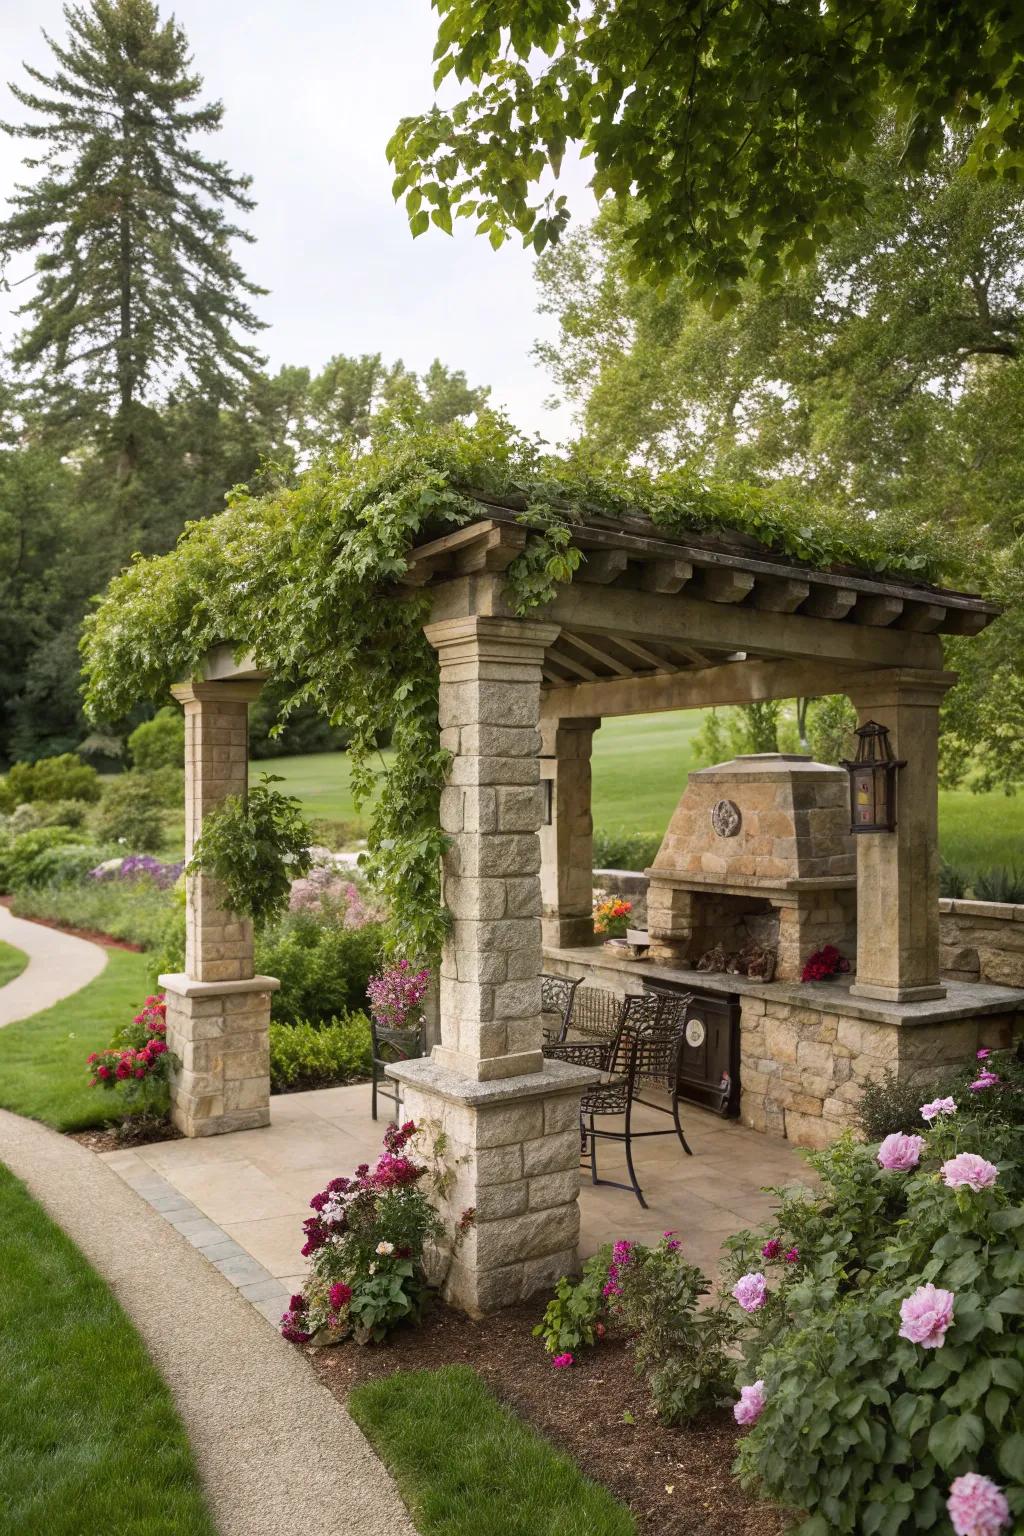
982	941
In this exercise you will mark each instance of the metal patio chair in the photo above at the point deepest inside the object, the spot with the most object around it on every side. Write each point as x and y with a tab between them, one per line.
557	996
387	1047
643	1053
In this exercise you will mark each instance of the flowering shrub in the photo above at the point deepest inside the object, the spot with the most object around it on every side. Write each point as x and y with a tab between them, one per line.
137	1061
610	916
825	962
366	1241
396	993
578	1308
139	866
889	1357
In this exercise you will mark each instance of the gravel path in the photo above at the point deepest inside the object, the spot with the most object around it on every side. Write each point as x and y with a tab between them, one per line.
58	964
279	1456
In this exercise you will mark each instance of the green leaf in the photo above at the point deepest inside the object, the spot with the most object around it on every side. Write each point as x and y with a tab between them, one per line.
1010	1456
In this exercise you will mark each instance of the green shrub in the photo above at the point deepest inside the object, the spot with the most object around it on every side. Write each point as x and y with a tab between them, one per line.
323	966
52	778
305	1055
160	742
20	857
625	850
23	818
578	1308
862	1427
953	881
62	813
135	911
168	786
1000	884
131	814
888	1105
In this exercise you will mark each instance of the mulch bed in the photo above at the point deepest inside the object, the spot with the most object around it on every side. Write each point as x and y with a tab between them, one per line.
675	1481
120	1138
92	934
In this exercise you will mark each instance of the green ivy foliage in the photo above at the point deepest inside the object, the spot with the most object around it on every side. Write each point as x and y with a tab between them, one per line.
255	845
306	579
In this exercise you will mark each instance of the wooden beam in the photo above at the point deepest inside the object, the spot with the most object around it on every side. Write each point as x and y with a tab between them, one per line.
877	610
602	655
641	653
494	552
219	666
924	618
966	621
601	566
561	658
653	616
777	594
830	602
731	682
665	575
725	586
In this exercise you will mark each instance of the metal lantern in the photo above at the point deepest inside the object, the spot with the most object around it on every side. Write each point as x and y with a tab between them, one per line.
873	780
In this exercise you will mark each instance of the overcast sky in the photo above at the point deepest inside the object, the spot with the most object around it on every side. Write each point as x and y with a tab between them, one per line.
312	91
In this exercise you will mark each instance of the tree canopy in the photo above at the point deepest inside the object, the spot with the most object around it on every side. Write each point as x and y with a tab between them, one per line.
735	123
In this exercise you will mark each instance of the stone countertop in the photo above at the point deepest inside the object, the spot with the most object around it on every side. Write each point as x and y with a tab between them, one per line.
962	1000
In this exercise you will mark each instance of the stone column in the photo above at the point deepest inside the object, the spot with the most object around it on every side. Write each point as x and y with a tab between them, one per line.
218	1011
898	872
567	839
510	1118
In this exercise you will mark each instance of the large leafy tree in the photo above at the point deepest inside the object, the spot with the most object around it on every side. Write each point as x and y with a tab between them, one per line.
736	123
129	224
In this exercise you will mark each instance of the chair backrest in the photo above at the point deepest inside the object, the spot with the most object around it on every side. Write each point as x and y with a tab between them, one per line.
650	1042
635	1012
556	996
396	1044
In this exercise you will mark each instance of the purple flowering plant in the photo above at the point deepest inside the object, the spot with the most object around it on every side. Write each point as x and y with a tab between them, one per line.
396	994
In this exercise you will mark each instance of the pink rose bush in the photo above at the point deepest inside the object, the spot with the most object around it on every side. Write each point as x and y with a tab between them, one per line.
926	1315
366	1242
938	1107
900	1153
137	1061
750	1406
751	1291
969	1171
977	1506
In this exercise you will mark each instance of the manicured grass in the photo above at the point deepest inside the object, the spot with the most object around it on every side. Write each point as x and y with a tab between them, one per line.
465	1465
640	768
12	963
89	1438
42	1059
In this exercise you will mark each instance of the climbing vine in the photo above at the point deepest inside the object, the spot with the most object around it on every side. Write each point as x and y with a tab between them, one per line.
306	578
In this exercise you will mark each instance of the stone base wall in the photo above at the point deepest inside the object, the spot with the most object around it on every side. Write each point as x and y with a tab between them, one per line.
516	1164
802	1070
982	941
221	1036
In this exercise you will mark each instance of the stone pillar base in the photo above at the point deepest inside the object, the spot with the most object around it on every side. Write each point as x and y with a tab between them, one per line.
513	1146
898	994
220	1032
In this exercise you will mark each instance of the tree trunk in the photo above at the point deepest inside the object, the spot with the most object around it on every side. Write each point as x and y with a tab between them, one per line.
127	447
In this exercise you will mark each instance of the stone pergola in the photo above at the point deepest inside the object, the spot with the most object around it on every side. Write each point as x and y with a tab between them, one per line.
650	622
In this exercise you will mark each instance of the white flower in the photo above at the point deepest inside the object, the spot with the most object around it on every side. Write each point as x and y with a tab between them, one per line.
385	1248
373	1269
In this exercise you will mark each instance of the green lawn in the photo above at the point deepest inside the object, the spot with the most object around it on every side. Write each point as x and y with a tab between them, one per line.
42	1059
487	1471
12	963
640	768
89	1438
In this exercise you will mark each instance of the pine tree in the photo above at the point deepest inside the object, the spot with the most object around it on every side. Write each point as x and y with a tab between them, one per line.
136	284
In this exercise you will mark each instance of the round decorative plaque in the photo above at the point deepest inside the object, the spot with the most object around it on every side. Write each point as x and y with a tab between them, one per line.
726	818
695	1032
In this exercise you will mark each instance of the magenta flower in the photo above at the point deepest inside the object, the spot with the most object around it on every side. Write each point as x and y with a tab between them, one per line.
937	1107
751	1292
611	1289
926	1315
984	1080
983	1055
561	1361
977	1506
793	1256
771	1249
297	1303
900	1153
621	1252
339	1295
968	1170
672	1244
751	1404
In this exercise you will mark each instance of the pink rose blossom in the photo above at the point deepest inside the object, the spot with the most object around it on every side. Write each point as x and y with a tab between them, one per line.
751	1404
984	1080
561	1361
977	1506
926	1315
751	1292
900	1153
969	1170
938	1107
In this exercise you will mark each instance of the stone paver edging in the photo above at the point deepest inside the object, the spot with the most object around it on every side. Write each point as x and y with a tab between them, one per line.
279	1456
58	964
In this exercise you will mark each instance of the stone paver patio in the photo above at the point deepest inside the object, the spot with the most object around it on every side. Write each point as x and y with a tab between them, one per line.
240	1198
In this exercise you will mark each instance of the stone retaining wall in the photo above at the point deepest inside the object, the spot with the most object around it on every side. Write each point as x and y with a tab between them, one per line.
982	941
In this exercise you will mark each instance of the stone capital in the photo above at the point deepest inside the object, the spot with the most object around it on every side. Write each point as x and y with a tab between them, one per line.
899	688
235	691
488	639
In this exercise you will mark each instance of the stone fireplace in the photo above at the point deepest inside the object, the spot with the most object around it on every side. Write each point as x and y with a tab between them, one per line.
758	853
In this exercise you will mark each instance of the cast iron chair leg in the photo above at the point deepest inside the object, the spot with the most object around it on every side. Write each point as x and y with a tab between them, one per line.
373	1096
632	1171
679	1129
